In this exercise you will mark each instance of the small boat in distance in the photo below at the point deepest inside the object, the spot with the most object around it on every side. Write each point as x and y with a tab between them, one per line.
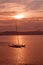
16	46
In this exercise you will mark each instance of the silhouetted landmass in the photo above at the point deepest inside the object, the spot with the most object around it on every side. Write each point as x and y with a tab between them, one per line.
22	33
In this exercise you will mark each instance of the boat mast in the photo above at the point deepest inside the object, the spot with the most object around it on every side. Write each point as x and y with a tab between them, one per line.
17	31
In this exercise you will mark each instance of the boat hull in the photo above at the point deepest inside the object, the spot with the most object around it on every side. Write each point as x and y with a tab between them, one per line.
16	46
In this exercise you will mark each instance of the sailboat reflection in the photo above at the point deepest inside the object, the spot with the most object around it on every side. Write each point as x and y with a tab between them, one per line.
18	45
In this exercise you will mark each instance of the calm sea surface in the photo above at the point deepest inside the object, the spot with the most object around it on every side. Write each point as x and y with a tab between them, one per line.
32	54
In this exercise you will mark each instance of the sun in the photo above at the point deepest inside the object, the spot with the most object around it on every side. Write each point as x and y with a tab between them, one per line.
19	16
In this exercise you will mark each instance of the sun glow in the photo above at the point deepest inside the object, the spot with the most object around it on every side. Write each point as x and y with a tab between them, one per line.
19	16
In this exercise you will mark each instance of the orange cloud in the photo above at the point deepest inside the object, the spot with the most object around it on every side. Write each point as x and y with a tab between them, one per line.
30	8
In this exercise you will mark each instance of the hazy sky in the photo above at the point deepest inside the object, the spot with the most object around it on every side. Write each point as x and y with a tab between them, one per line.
29	7
9	8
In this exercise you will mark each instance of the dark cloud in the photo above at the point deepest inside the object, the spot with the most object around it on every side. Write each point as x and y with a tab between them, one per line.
8	13
2	1
23	26
35	5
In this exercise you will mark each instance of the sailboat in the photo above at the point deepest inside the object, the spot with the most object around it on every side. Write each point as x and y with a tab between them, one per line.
16	45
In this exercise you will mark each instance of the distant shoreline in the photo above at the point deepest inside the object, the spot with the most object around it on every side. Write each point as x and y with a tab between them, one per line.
22	33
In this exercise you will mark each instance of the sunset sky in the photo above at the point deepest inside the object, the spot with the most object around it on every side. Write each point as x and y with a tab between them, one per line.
11	8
